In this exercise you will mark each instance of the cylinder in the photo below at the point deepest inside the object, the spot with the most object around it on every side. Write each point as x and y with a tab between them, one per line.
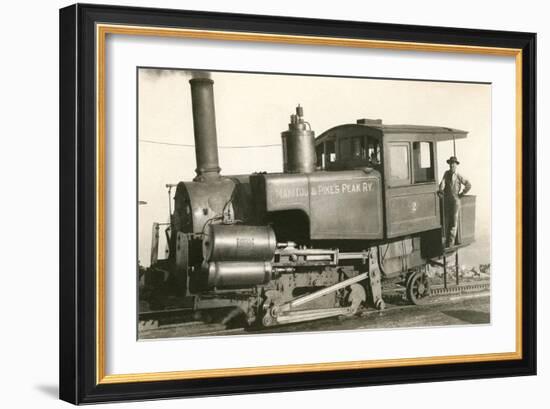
239	243
298	145
204	125
237	274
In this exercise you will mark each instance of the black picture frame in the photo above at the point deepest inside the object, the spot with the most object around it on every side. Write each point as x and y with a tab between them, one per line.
78	217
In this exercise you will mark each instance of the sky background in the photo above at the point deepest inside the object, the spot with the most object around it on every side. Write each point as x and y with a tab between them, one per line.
253	109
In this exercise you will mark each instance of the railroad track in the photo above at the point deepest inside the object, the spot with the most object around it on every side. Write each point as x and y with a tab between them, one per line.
461	288
188	322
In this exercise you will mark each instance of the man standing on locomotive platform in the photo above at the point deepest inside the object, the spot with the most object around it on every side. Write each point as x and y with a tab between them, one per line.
450	187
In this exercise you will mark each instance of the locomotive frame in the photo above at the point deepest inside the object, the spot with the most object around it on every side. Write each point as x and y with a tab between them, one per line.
82	343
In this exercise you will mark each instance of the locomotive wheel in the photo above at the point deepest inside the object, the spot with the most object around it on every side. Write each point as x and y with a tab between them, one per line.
418	288
356	297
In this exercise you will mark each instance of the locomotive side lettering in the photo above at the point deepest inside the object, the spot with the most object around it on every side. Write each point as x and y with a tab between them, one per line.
291	193
326	190
334	189
338	213
284	193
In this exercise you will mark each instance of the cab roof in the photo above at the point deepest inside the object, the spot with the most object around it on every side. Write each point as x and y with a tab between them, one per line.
377	128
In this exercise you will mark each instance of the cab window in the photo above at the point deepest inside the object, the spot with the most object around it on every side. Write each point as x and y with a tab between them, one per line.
330	152
423	162
351	148
320	155
373	151
399	164
325	153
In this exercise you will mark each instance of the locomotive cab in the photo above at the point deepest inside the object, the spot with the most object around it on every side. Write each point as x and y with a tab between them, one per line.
406	157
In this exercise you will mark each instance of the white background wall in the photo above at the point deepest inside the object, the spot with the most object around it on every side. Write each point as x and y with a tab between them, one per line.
29	203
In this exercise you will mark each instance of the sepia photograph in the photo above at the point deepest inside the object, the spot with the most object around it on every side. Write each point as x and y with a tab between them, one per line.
260	203
280	203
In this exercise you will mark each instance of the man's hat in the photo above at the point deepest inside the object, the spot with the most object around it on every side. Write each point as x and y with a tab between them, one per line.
453	159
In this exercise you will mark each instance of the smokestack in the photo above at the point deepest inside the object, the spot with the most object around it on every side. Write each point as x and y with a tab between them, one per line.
204	124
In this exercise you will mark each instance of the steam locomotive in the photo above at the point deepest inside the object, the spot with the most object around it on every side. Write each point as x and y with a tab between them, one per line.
354	208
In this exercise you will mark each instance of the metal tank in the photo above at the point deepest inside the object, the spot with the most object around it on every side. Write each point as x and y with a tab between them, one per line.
239	243
237	274
238	255
298	145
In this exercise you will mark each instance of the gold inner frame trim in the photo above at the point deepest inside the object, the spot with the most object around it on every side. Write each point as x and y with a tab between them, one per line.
101	33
